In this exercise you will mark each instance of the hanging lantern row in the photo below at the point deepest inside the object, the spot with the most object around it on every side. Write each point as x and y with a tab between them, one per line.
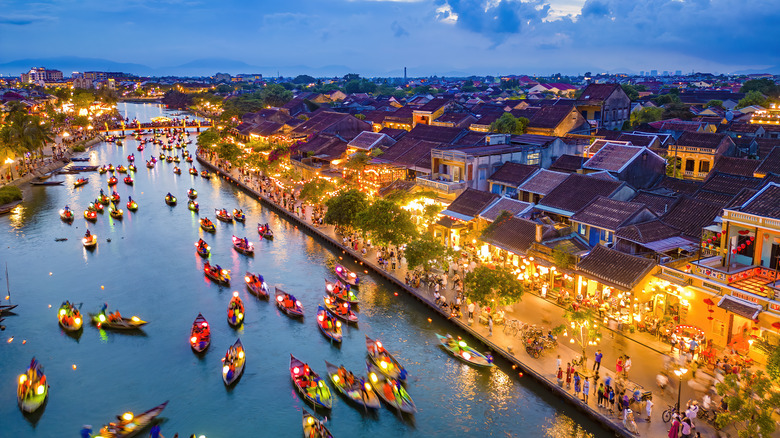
742	247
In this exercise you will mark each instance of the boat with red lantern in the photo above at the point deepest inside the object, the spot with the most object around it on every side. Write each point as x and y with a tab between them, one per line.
235	311
309	384
200	334
288	304
329	325
341	309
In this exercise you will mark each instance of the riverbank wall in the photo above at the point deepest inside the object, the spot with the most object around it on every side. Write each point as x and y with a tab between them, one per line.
505	353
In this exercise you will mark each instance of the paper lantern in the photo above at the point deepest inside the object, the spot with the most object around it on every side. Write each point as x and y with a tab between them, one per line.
733	251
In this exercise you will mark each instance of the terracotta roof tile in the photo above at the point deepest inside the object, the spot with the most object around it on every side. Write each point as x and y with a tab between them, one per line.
729	184
471	202
577	190
656	202
614	157
606	213
615	268
513	174
505	204
568	163
597	92
771	163
701	139
645	232
690	215
543	182
515	235
736	166
765	203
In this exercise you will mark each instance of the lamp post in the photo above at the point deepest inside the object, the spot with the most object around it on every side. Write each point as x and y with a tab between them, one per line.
680	373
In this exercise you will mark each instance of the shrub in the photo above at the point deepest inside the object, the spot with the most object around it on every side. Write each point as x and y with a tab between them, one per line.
10	194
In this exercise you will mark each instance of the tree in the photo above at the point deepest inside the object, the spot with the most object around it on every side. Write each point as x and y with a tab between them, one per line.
427	252
752	98
387	223
773	363
176	99
764	86
666	99
487	285
584	329
509	124
304	79
502	217
275	95
208	138
228	151
714	103
677	111
752	400
344	209
315	190
631	91
562	259
224	89
83	100
646	115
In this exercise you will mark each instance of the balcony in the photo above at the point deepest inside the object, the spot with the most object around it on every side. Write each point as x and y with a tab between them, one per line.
442	186
695	175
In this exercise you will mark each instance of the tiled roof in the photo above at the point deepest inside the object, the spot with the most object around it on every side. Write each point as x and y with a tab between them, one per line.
677	125
368	139
266	128
471	202
645	232
434	104
513	174
394	133
740	198
615	268
398	185
765	146
403	114
729	184
323	121
456	118
568	163
701	139
606	213
638	140
721	199
550	116
323	146
741	307
771	163
601	142
577	190
441	134
515	235
410	152
736	166
572	244
472	138
681	186
505	204
656	202
543	182
765	203
690	215
614	157
597	92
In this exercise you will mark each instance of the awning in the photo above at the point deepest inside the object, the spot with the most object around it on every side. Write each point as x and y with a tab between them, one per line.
448	222
457	215
670	279
740	307
670	243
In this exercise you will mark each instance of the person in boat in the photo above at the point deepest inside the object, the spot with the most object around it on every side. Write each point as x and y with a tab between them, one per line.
169	195
246	242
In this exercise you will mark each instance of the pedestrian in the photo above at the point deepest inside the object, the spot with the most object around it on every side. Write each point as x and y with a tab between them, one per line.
471	313
558	361
490	325
611	400
649	408
686	428
628	421
626	366
626	401
597	362
577	384
560	377
585	390
619	366
595	381
568	375
692	412
619	400
600	394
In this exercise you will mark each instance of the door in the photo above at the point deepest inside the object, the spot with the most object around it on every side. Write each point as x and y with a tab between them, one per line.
774	256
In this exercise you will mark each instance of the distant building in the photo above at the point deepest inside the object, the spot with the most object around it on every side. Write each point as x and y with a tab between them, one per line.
41	74
222	77
604	105
82	82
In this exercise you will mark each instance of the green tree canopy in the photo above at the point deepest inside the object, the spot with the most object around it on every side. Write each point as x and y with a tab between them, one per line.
714	103
360	86
387	223
583	327
304	79
562	259
486	285
631	91
228	151
665	99
275	95
177	99
509	124
677	111
646	115
764	86
343	210
773	363
752	98
752	400
315	190
83	100
224	88
208	138
426	253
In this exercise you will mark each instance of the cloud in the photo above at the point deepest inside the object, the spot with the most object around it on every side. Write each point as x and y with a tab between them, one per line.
495	19
23	20
595	8
398	31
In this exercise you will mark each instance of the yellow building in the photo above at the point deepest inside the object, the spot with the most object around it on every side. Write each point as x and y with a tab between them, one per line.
698	151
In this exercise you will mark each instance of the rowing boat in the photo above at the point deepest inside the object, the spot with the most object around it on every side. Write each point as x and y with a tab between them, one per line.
244	246
265	232
130	425
90	215
223	215
112	181
328	325
115	321
202	248
314	428
216	273
341	309
460	350
239	216
384	361
391	391
288	304
205	174
207	225
256	285
128	180
235	311
233	363
192	193
309	384
89	241
32	389
193	205
170	199
200	334
347	276
66	214
116	213
339	291
356	388
69	317
80	182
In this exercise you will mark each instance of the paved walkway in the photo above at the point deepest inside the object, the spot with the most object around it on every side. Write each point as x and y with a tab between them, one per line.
647	359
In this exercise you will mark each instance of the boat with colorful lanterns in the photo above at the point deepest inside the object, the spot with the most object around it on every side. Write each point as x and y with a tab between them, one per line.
130	425
243	246
66	214
329	325
235	311
200	334
309	384
347	276
32	389
256	285
384	361
233	363
114	320
356	389
69	317
288	304
216	273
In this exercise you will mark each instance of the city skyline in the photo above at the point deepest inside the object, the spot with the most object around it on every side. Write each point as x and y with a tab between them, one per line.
379	38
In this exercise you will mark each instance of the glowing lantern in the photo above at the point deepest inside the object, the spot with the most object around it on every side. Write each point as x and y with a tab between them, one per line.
127	416
41	388
193	339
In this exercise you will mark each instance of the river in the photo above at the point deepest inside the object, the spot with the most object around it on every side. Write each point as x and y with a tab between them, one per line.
149	268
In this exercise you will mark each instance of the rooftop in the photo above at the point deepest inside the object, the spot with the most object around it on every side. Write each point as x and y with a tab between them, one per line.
513	206
614	157
703	140
765	203
606	213
543	182
615	268
515	235
577	190
513	174
471	202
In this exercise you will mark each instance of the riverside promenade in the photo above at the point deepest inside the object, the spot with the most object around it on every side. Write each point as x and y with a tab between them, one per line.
647	360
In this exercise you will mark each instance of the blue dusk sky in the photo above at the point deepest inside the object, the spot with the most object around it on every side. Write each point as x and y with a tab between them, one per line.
380	37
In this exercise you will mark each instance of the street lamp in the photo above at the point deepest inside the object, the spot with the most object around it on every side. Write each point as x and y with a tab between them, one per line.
680	373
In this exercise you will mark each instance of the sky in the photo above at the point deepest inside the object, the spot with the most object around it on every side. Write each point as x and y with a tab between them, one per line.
381	37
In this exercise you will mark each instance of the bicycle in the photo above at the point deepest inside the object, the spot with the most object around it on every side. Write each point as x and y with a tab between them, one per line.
669	412
511	327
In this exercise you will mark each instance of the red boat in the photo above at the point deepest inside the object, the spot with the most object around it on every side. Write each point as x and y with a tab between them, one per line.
200	335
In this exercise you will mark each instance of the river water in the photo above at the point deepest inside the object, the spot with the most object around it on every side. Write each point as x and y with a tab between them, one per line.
149	268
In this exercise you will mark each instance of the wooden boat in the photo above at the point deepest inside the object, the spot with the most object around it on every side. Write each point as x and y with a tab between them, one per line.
193	171
391	391
32	389
149	165
132	168
131	158
128	180
132	205
121	169
111	168
243	246
112	181
205	174
115	197
347	276
189	159
103	198
140	147
193	205
256	285
265	232
216	273
384	362
176	159
90	215
233	363
116	213
80	182
309	384
235	311
102	169
460	350
89	241
46	183
169	159
200	334
207	225
161	157
202	248
239	216
115	321
69	317
66	214
288	304
360	392
170	199
192	193
328	325
7	308
341	309
130	425
176	171
339	291
6	208
223	215
314	428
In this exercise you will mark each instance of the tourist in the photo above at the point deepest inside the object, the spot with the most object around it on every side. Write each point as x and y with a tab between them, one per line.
597	362
577	384
471	307
568	375
558	361
686	428
626	366
611	400
560	377
649	408
619	366
490	325
692	412
585	390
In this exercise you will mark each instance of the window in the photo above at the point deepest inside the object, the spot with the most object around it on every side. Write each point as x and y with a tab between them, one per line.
704	166
532	158
581	229
482	174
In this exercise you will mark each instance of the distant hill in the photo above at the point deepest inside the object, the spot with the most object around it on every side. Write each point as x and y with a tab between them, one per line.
69	64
